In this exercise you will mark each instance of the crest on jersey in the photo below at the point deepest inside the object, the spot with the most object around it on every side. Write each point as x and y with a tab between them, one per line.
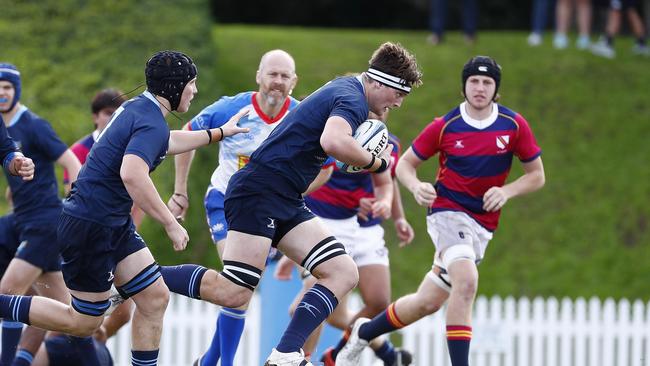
502	141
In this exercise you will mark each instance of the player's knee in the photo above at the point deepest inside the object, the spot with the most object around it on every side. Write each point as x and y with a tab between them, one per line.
82	326
343	269
154	300
429	306
377	305
240	296
329	259
244	276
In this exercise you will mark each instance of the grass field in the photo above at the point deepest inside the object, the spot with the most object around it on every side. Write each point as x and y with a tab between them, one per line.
586	233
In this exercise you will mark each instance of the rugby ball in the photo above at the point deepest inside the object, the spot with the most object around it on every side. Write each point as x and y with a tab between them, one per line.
372	135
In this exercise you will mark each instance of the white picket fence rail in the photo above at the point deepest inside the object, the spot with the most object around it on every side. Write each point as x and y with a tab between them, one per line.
541	332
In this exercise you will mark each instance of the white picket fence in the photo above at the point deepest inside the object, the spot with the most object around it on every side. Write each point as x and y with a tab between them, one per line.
544	332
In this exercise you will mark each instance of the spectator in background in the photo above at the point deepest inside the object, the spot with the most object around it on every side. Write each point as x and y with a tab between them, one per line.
563	13
438	16
539	20
605	46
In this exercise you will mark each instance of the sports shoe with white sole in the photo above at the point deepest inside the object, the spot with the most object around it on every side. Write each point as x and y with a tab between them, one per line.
115	299
287	359
602	49
350	355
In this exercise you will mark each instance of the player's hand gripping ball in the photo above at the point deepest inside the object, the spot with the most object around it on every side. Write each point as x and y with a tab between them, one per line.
372	135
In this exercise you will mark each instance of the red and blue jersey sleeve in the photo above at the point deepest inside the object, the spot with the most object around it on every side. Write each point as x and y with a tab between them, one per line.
526	148
427	143
396	153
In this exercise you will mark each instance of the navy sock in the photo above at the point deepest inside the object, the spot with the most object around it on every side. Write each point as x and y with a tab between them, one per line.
385	322
386	353
23	358
184	279
144	358
458	339
317	304
87	352
15	307
11	332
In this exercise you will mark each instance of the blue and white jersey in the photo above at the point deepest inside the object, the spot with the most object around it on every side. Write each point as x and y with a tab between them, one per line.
235	151
292	155
37	140
137	127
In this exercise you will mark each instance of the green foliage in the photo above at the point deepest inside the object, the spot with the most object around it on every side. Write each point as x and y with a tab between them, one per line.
586	233
67	50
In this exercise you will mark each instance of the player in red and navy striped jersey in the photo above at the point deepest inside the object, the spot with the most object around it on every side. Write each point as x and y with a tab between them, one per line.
103	105
475	143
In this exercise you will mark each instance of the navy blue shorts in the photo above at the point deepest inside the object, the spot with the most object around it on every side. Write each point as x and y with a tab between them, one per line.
91	251
8	241
265	214
62	352
38	244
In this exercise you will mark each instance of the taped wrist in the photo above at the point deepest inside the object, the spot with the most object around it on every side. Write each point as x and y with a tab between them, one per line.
383	167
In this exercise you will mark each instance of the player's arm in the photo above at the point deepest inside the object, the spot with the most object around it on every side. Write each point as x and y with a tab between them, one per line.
179	203
533	179
69	161
12	159
181	141
382	187
322	178
19	165
135	175
403	228
284	269
406	172
337	142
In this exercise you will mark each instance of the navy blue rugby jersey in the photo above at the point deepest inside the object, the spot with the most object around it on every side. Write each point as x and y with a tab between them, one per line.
38	141
137	127
6	143
293	152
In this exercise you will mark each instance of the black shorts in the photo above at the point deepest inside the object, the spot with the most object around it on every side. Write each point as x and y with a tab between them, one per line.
8	242
62	352
265	214
91	251
38	243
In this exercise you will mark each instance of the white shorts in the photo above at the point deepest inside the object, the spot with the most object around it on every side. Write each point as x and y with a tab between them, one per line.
370	247
448	228
365	245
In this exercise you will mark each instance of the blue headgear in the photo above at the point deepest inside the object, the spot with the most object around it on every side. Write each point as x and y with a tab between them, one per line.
11	74
167	73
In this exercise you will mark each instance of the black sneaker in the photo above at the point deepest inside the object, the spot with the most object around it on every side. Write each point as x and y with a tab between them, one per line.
402	357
